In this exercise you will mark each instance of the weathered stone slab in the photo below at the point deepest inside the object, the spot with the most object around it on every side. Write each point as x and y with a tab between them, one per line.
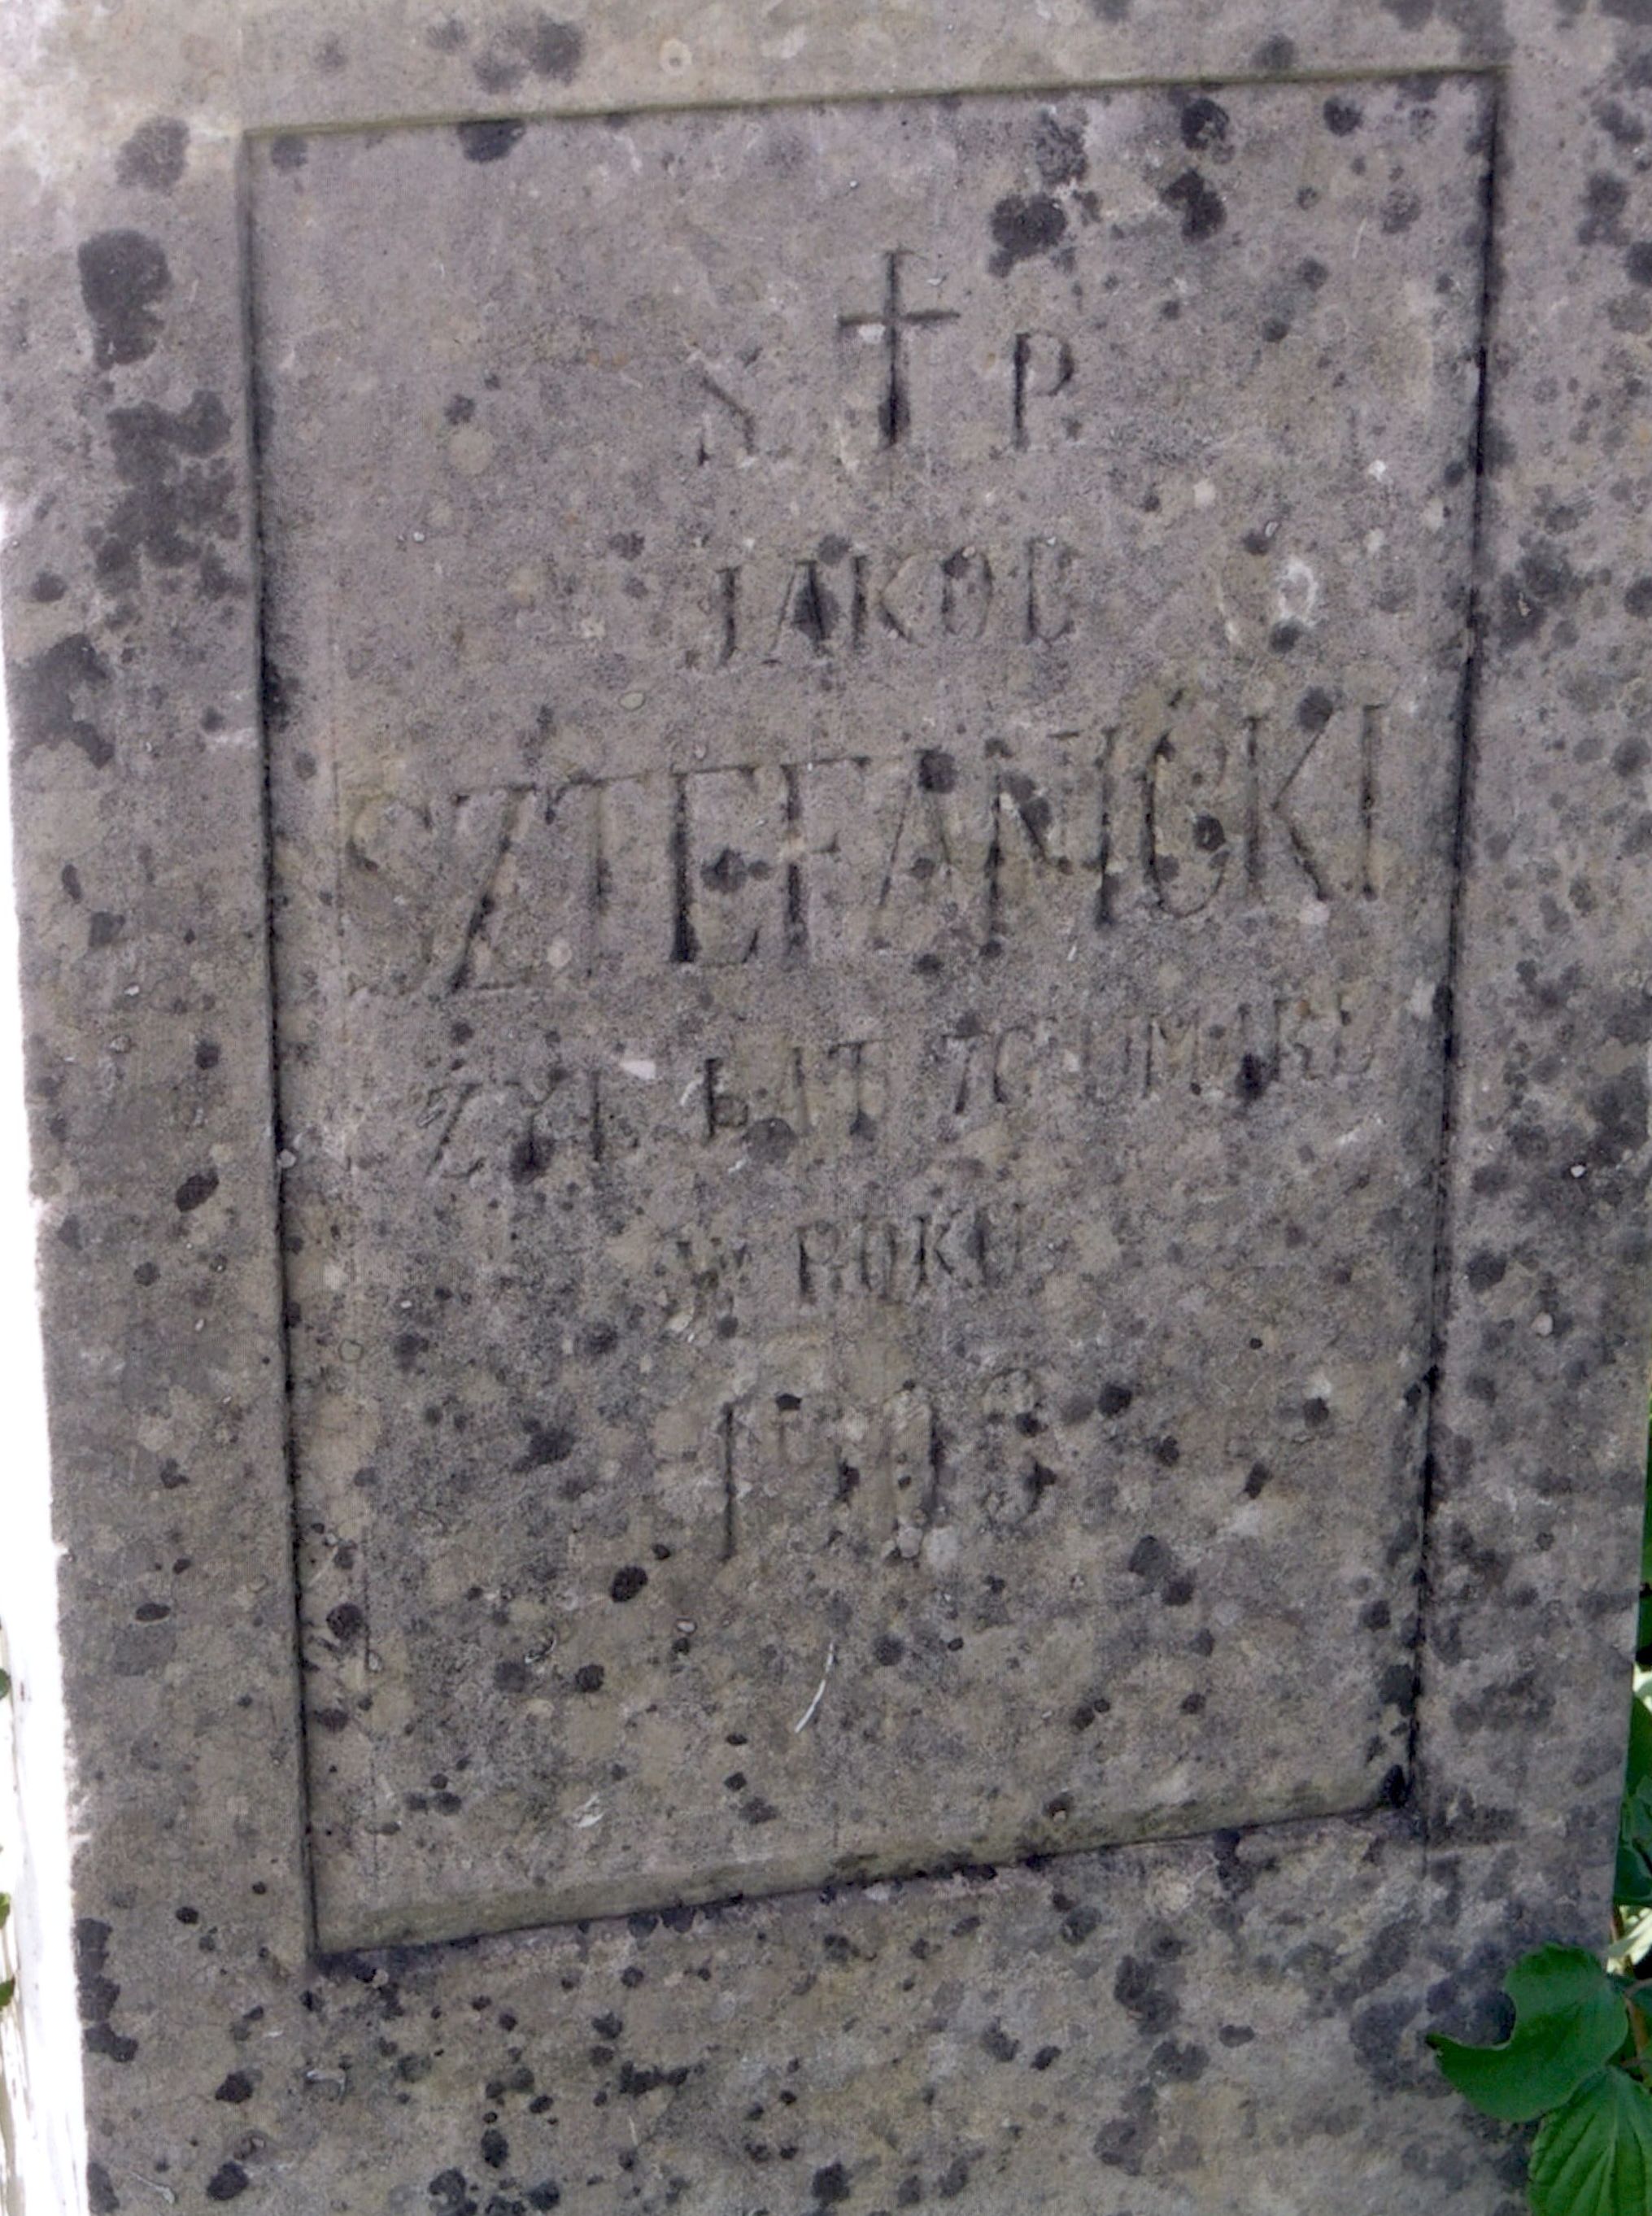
864	795
334	210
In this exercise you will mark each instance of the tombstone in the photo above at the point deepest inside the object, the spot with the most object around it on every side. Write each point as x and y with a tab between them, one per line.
826	835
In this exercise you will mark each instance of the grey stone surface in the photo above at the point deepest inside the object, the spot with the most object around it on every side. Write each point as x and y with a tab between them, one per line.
188	600
863	803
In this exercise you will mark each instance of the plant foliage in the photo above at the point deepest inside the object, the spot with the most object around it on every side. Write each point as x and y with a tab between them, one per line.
1593	2156
1575	2059
1571	2019
1580	2051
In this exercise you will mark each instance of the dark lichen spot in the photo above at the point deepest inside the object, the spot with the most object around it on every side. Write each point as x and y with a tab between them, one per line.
831	2185
181	493
236	2087
997	2043
102	2199
540	43
43	702
97	1992
1277	52
155	154
495	2148
490	141
1078	1923
1315	708
1620	1109
1114	1399
938	771
1183	2066
1522	609
1059	153
346	1622
1205	122
228	2182
1025	226
122	274
288	152
1139	1990
1400	210
103	929
552	49
512	1675
1203	211
547	1443
1343	117
1122	2143
498	70
757	1810
196	1190
1604	199
628	1583
771	1139
588	1677
887	1650
1485	1270
1150	1558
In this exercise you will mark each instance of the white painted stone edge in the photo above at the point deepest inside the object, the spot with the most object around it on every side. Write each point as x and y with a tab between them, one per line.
42	2100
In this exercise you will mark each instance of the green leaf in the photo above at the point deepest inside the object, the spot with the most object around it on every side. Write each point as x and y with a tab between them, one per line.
1594	2157
1639	1770
8	1987
1632	1879
1569	2019
5	1906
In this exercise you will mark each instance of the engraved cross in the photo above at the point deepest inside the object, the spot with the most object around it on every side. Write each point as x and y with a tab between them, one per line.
894	320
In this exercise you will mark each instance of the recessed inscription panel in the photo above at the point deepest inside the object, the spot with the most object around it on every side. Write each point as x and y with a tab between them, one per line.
864	747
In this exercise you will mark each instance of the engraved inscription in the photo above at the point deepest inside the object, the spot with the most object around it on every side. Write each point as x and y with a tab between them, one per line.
862	836
890	324
831	858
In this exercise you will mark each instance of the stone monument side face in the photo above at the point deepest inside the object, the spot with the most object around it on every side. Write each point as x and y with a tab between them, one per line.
863	800
820	1092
